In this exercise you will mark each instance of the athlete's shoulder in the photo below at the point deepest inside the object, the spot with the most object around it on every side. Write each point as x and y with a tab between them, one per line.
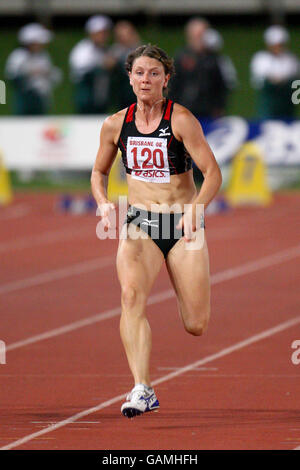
183	121
112	124
181	113
115	120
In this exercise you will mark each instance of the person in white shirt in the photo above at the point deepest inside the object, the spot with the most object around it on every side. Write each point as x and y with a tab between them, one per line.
90	67
272	73
31	71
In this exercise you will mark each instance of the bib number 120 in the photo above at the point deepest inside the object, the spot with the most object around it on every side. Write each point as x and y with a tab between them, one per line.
152	158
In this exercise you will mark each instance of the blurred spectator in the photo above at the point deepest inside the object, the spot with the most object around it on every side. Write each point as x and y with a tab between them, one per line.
214	43
126	39
198	83
272	72
91	65
31	71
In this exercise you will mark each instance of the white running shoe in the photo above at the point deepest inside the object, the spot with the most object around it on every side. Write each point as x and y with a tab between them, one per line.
140	400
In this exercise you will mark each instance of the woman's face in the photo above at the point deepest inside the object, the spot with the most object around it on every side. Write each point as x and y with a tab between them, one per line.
148	78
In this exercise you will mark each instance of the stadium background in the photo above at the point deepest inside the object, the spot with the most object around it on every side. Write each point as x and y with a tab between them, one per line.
242	34
240	25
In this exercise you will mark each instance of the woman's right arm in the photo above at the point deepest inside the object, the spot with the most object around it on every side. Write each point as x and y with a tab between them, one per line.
105	157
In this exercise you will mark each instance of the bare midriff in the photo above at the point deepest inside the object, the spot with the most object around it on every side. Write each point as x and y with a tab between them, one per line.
181	190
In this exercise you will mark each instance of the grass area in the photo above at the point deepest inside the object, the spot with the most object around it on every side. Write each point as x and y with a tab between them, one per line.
293	186
44	181
240	44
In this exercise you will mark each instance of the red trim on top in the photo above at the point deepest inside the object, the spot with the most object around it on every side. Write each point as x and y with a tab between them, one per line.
170	141
170	161
125	151
129	117
122	144
168	111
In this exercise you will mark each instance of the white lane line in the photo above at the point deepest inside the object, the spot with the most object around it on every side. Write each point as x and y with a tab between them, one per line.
92	265
197	369
216	278
44	238
53	422
56	274
65	329
261	263
223	352
113	312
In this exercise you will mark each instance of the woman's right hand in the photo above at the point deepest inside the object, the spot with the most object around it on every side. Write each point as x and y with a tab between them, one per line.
106	210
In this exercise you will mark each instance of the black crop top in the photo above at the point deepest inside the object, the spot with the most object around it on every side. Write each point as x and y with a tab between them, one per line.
152	157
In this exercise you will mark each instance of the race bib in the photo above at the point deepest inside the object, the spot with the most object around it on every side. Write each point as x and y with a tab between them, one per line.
148	159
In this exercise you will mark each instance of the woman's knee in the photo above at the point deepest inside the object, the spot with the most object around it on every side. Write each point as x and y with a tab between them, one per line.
131	296
197	325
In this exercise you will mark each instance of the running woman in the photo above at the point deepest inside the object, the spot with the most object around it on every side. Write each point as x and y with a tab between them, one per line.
158	140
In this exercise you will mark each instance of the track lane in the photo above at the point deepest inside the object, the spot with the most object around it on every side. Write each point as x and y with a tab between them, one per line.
236	317
50	390
223	400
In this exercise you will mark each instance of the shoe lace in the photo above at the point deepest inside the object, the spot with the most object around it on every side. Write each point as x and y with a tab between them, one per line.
137	394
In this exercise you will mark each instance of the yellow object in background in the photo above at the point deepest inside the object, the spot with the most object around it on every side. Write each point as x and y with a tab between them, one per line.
248	180
6	195
117	183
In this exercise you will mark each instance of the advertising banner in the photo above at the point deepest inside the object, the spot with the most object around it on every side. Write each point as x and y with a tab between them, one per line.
71	142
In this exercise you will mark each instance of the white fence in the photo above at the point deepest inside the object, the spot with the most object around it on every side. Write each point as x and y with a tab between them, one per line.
71	142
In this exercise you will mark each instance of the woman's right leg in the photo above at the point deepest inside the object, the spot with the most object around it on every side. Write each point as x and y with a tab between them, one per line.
138	264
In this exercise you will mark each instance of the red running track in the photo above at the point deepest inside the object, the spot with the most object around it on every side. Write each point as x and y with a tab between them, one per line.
65	373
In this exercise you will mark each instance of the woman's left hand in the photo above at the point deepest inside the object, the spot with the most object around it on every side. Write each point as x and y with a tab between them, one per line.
190	222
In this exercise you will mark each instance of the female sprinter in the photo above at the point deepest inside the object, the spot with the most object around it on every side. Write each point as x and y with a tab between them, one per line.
158	139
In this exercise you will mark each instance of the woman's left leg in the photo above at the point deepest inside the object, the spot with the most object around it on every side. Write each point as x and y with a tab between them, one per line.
189	273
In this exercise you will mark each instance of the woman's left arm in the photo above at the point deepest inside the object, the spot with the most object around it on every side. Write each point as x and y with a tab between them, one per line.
188	129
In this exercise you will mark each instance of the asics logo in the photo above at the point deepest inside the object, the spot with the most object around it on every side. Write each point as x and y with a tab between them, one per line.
149	222
163	132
